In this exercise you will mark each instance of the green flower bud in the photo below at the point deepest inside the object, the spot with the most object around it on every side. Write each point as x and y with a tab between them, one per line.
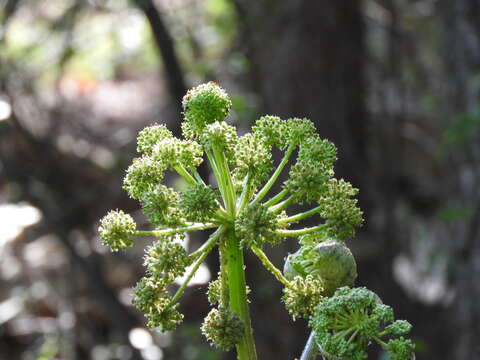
203	105
339	209
160	206
144	174
223	328
153	300
166	259
256	225
399	327
273	130
214	292
303	294
254	158
346	323
300	130
150	136
116	230
172	152
330	261
199	203
221	136
400	349
314	167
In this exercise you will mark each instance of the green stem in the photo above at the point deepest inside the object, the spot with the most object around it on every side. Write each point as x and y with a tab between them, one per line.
245	197
185	174
380	342
226	179
211	243
279	207
198	177
300	216
269	266
224	295
295	233
261	194
276	198
171	231
205	246
238	296
216	173
311	349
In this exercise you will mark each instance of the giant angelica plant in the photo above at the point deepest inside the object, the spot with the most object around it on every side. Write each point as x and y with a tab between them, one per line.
247	217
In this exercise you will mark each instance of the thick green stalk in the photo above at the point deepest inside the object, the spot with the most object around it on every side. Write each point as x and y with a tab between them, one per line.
238	296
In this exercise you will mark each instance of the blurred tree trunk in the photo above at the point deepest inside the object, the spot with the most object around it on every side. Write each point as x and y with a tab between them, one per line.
306	60
461	50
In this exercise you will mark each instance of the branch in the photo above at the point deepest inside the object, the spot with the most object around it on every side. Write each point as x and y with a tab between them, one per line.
165	45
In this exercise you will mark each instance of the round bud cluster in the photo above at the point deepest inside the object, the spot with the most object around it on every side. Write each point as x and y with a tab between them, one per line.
222	137
303	294
330	261
214	292
400	349
203	105
299	130
116	230
256	225
152	299
314	167
346	323
223	328
340	210
166	259
199	203
144	174
160	206
172	152
253	158
273	130
150	136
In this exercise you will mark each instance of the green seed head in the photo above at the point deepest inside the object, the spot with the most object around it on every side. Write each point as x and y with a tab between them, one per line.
303	294
150	136
223	328
203	105
116	230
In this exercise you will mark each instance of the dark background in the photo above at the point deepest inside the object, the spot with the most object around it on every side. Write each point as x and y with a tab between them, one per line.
395	84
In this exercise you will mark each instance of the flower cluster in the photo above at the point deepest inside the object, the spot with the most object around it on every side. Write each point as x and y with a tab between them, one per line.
116	230
222	328
240	205
166	259
257	225
302	295
153	300
347	322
